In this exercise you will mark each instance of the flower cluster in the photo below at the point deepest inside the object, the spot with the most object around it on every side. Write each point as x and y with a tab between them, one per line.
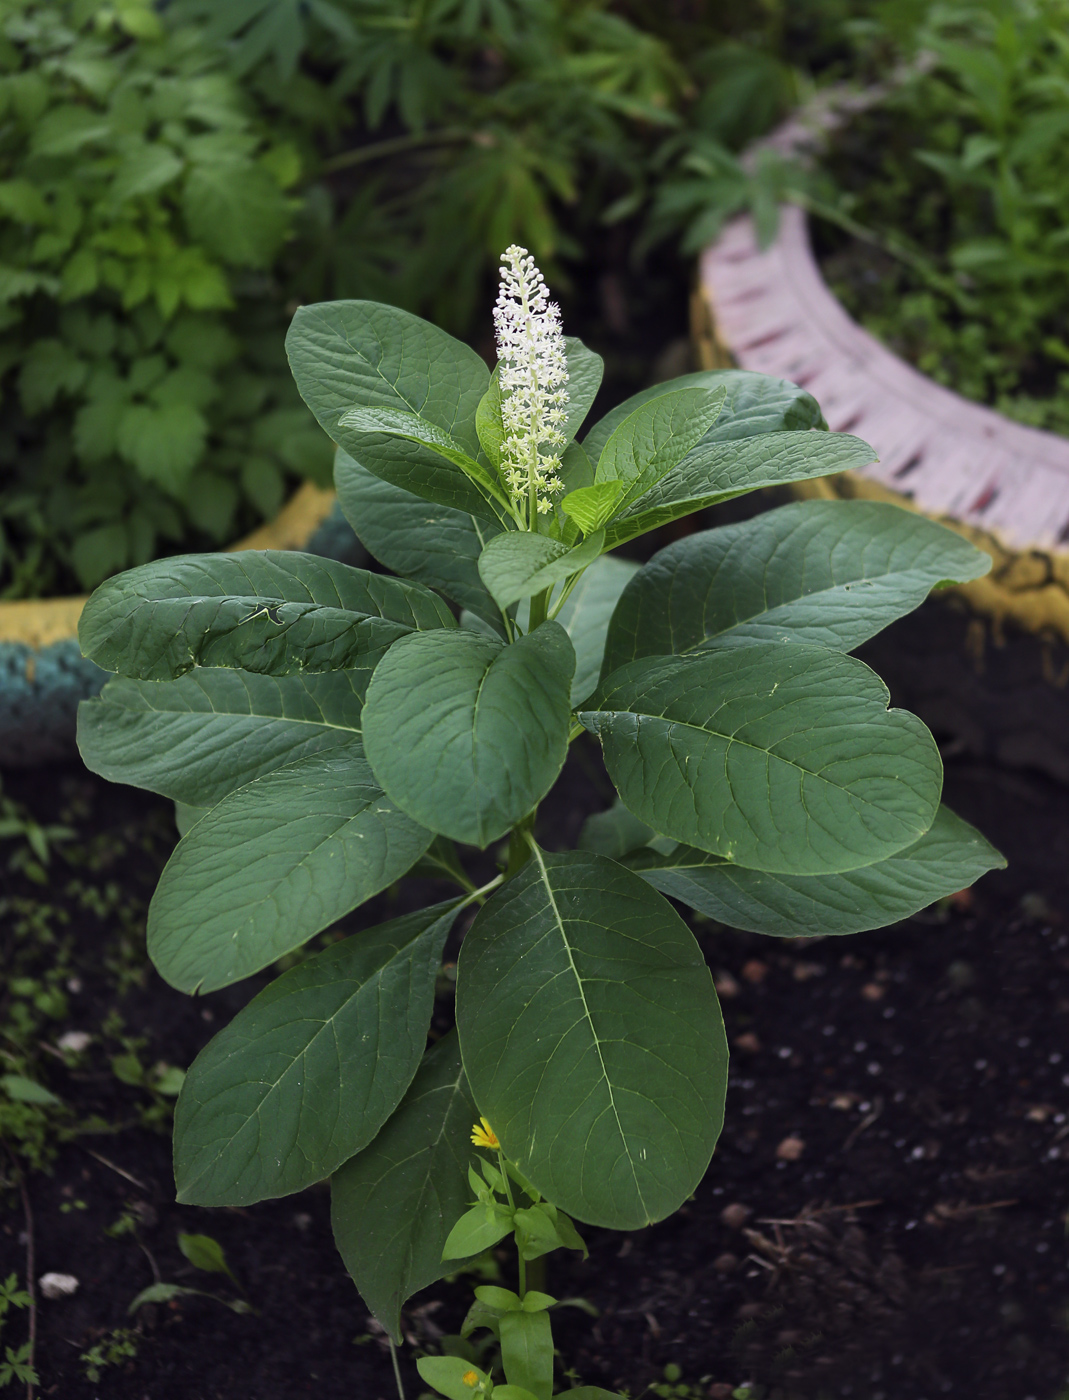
533	375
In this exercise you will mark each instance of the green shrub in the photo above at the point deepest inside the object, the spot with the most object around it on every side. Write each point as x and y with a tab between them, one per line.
961	179
144	404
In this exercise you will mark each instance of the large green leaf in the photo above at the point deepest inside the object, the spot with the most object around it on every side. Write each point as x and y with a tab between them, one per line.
585	371
716	471
753	404
467	734
308	1072
361	354
592	1039
950	856
778	757
656	438
273	864
519	563
585	617
197	738
832	573
394	1204
398	423
270	611
418	539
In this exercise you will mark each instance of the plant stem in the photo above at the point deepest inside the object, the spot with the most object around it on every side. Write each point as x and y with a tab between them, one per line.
539	607
31	1287
396	1370
479	896
394	146
521	1263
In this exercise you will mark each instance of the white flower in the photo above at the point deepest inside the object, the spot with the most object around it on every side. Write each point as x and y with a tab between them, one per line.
533	375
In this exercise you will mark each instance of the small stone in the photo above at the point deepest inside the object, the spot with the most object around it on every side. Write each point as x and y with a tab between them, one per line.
725	985
844	1102
1040	1112
790	1149
721	1391
74	1042
735	1215
872	991
74	985
57	1285
803	971
747	1041
755	971
726	1263
302	1220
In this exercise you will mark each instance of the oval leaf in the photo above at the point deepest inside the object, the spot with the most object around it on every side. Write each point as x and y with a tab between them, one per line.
270	611
950	856
716	471
273	864
395	422
393	1205
308	1072
592	1039
518	564
467	734
831	573
656	438
197	738
782	758
418	539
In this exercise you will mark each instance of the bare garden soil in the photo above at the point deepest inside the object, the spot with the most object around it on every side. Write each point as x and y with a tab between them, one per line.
884	1216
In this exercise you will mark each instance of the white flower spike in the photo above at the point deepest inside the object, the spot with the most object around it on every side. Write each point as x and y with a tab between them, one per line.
533	376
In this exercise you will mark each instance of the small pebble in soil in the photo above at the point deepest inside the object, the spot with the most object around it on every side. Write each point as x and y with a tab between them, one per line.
790	1149
872	991
735	1215
74	1041
725	985
57	1285
725	1263
747	1041
755	971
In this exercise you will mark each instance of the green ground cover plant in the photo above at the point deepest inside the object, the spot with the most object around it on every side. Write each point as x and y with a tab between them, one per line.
958	184
326	730
145	402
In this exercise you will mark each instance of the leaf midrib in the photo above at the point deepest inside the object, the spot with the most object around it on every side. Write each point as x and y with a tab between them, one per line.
590	1022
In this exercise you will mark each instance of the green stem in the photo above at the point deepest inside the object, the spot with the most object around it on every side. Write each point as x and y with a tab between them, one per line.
396	1370
539	608
479	896
573	580
521	1263
394	146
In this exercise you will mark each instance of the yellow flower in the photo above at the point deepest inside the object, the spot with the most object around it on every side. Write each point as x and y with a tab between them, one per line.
483	1137
470	1378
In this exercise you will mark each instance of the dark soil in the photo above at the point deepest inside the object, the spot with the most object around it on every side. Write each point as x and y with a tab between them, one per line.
897	1135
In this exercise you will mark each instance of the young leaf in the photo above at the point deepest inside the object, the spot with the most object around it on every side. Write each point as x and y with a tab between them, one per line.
527	1352
396	423
831	573
308	1072
314	840
585	617
477	1229
394	1203
211	731
592	507
467	734
270	611
452	1376
950	856
418	539
204	1253
347	353
715	471
517	564
781	758
593	1039
488	424
656	438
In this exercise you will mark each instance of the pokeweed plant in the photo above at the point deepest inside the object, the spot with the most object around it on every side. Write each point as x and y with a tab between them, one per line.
325	730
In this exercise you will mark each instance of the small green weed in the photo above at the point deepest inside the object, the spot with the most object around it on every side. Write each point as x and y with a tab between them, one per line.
120	1344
